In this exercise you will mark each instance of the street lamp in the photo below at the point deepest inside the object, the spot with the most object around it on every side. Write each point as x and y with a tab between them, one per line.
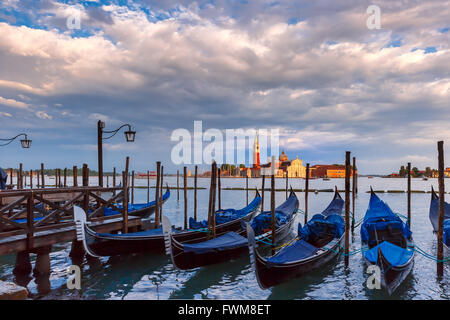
25	142
129	136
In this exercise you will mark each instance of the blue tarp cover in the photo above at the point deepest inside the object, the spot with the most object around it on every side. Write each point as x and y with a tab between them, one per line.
447	232
228	241
133	207
283	214
25	220
3	178
335	207
297	251
319	224
378	217
394	254
226	215
434	211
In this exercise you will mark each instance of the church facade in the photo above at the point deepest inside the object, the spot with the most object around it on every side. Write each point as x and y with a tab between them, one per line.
283	167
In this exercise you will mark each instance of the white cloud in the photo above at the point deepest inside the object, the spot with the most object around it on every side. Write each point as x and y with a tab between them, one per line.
43	115
13	103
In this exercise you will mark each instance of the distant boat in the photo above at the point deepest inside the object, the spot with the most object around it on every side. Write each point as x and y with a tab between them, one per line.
152	174
425	179
370	177
326	179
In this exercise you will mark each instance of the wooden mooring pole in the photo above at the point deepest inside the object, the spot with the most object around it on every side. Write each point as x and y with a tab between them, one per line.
306	192
125	201
353	193
42	176
195	193
161	187
185	197
213	207
114	180
75	176
272	204
246	186
148	186
31	179
85	175
409	194
11	173
347	206
287	184
210	203
158	172
20	180
178	185
262	190
219	189
132	186
440	235
65	177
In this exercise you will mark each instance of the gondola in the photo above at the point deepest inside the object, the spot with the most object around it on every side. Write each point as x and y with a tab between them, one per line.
390	244
317	243
107	244
142	210
434	218
230	245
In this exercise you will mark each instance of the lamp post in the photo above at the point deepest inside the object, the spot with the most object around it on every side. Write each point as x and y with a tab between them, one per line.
129	135
25	142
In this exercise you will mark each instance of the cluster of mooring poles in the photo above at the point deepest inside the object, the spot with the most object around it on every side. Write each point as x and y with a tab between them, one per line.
42	266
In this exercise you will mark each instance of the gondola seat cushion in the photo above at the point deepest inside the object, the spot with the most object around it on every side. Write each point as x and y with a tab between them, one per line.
369	227
395	255
321	227
228	241
297	251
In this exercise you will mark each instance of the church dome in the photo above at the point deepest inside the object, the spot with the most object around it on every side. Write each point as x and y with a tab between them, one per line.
283	156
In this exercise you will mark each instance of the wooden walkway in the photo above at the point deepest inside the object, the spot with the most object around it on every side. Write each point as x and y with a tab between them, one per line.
34	218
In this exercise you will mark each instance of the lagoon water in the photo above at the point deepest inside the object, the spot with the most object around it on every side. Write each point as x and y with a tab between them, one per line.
154	277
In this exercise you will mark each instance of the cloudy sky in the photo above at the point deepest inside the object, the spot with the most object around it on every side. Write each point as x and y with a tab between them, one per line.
313	69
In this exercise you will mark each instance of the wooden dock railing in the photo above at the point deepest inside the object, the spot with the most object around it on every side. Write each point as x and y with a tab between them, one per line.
26	212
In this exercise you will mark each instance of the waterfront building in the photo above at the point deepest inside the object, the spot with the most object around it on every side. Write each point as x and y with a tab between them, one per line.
296	169
328	171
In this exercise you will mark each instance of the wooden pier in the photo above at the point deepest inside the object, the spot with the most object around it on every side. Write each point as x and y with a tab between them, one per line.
32	220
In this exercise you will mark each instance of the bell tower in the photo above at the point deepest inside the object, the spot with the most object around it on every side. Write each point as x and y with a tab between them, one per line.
256	163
